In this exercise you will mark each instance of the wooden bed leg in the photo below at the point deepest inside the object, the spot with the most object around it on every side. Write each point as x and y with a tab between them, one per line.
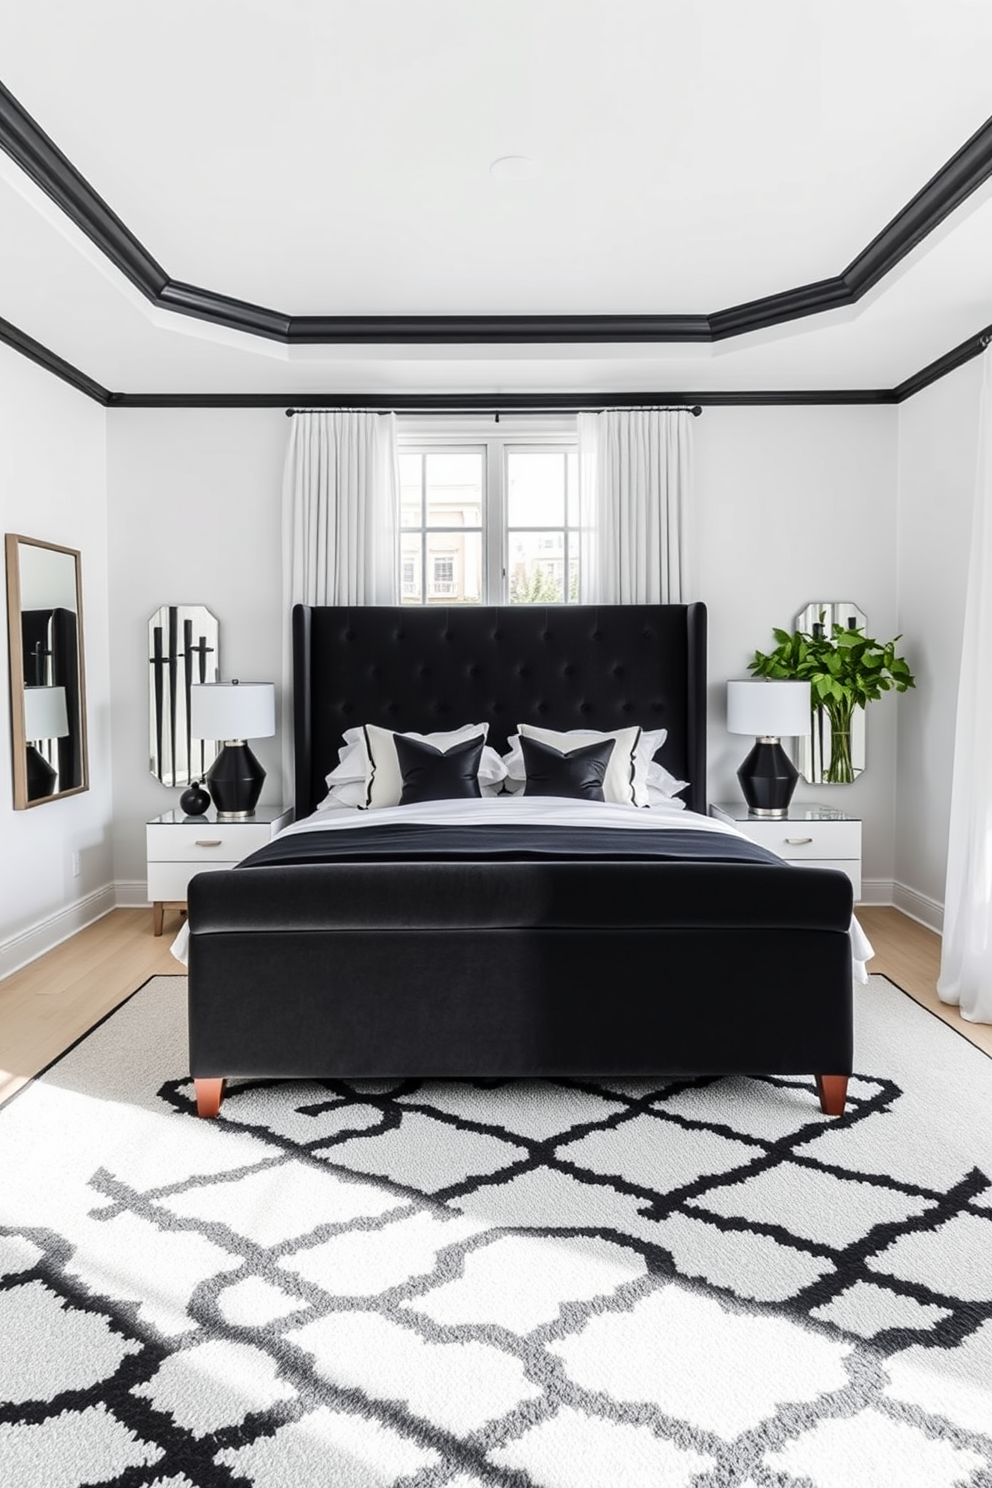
209	1094
832	1090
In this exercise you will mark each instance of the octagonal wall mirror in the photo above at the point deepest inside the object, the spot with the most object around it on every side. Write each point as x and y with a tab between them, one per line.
183	650
815	752
47	681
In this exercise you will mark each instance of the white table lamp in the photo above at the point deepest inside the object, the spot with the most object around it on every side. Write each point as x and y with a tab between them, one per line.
233	712
768	710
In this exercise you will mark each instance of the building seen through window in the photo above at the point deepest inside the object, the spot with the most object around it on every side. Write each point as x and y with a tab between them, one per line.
492	522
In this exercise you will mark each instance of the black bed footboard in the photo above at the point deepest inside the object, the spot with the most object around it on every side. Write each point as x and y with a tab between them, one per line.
519	970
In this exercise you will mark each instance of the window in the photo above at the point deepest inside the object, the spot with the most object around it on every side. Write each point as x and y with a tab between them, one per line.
489	517
443	577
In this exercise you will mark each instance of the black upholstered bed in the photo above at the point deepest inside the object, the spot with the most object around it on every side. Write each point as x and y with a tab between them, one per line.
441	958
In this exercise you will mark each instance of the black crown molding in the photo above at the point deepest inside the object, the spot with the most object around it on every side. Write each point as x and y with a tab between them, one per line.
38	156
28	145
21	342
36	352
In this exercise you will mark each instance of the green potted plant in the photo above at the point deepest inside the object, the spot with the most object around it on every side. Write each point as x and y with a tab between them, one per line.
845	670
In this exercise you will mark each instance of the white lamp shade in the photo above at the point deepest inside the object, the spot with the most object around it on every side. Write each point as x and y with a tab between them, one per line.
232	710
45	715
768	709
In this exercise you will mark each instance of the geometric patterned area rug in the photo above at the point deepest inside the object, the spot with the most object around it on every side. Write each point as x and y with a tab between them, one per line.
693	1283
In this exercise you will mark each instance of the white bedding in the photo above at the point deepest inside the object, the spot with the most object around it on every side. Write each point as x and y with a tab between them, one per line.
537	810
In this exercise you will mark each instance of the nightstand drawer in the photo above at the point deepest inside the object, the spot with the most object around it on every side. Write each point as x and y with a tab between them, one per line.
850	866
802	841
169	881
206	843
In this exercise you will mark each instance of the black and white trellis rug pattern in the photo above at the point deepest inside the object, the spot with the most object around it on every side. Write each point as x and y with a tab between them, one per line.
633	1284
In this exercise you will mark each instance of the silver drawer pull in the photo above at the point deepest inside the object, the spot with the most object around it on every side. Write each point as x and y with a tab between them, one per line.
798	841
211	841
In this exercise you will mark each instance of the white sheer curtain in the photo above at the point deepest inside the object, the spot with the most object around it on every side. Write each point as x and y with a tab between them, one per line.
635	482
341	509
340	523
966	956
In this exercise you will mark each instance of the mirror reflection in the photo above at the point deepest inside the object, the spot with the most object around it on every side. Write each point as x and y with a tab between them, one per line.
816	750
48	705
183	650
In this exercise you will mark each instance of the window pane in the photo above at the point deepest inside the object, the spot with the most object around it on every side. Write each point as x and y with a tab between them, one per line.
411	496
572	460
454	489
454	567
536	488
536	567
410	592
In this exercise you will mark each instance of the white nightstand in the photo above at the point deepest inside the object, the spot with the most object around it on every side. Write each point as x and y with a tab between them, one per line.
179	846
810	836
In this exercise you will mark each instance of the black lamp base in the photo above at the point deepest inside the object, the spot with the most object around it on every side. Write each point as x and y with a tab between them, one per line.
41	775
768	778
235	779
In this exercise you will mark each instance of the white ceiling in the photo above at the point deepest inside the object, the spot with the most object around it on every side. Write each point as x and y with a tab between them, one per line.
328	157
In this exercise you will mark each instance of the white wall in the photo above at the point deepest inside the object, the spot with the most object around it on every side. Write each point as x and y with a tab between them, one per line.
53	486
194	502
799	504
794	505
938	441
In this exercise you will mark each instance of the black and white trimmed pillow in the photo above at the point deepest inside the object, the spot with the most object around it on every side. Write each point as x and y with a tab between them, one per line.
634	777
348	783
384	774
619	780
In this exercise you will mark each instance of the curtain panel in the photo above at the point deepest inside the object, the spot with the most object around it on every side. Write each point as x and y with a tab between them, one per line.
966	951
635	484
341	509
340	525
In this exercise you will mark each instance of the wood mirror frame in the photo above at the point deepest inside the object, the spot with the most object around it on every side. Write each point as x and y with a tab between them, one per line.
45	635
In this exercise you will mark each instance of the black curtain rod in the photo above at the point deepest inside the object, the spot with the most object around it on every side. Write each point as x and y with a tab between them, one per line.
695	410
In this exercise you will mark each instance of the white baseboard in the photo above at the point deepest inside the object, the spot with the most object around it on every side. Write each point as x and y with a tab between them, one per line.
131	893
876	891
929	912
17	950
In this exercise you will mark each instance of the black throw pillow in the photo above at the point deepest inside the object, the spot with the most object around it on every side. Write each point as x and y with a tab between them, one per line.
428	774
578	774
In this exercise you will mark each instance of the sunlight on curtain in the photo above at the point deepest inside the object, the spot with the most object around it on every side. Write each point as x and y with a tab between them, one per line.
966	956
635	483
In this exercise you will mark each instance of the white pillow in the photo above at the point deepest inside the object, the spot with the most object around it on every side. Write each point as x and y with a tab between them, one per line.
352	759
619	784
383	779
348	793
663	787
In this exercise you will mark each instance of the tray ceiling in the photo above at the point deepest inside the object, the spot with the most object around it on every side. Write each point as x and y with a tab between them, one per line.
333	160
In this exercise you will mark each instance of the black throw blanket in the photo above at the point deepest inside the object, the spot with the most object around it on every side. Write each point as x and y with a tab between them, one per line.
413	842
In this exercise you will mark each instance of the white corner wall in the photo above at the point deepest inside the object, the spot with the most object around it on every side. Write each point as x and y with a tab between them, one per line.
53	486
194	503
938	442
799	504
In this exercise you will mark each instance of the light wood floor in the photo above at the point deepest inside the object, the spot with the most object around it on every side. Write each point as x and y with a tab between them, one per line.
46	1006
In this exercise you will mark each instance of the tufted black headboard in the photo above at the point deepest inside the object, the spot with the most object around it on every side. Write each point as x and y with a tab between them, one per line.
563	666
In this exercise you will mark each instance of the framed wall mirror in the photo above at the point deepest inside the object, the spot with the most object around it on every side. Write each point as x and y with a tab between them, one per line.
47	681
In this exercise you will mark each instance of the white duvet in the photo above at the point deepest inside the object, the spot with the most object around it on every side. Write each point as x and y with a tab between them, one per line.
541	810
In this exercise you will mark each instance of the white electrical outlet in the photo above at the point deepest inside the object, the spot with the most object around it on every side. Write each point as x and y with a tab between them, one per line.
75	865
